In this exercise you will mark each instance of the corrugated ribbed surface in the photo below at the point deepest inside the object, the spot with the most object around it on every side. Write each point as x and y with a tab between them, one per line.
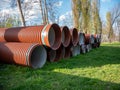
74	36
21	34
81	38
32	34
67	52
19	53
87	39
65	36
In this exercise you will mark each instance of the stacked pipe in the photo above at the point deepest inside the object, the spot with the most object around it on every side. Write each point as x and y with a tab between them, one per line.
32	46
25	44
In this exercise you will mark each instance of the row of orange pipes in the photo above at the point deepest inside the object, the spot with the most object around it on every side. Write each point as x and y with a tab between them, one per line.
33	45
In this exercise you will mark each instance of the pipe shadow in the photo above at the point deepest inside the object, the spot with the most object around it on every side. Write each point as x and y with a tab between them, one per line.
10	37
4	57
46	80
95	58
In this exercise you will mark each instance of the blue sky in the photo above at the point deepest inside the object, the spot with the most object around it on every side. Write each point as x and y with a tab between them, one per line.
106	5
64	8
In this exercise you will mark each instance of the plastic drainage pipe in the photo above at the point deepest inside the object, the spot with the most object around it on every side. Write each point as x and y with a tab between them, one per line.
67	52
63	52
74	51
83	49
51	55
87	47
54	55
81	38
96	38
89	39
25	54
74	36
92	39
48	35
65	36
58	54
78	49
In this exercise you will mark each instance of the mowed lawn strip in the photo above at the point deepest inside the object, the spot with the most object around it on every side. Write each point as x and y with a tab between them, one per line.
97	70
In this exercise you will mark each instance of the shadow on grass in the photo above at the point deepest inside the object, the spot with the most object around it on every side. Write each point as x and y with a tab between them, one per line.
95	58
17	77
58	81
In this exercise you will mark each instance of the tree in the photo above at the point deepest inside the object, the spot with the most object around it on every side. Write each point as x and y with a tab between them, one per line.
42	13
21	13
85	14
76	12
7	20
97	24
109	26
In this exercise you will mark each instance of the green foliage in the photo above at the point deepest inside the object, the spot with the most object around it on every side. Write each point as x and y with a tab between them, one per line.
9	22
109	25
97	70
86	16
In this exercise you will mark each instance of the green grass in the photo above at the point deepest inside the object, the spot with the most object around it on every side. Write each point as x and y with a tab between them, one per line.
97	70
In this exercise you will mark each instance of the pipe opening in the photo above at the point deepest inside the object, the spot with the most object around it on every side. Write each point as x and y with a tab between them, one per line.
38	57
81	39
67	52
63	52
78	49
51	36
74	50
54	36
58	54
83	49
75	37
92	40
65	36
52	56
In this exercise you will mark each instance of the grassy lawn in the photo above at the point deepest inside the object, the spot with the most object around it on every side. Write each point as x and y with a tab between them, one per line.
97	70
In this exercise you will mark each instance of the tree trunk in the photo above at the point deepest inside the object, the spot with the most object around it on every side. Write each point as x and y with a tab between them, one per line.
45	12
42	12
21	13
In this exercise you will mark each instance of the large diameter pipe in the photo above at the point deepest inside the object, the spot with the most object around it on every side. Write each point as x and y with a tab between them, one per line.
88	47
83	49
48	35
89	39
63	52
67	52
58	54
26	54
51	55
55	55
65	36
96	38
75	50
74	36
81	38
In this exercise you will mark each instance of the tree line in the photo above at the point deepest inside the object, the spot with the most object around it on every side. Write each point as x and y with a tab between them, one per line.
87	19
85	14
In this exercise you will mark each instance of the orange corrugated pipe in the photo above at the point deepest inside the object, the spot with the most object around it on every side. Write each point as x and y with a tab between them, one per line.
74	36
67	52
25	54
89	39
56	55
65	36
81	38
51	55
48	35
